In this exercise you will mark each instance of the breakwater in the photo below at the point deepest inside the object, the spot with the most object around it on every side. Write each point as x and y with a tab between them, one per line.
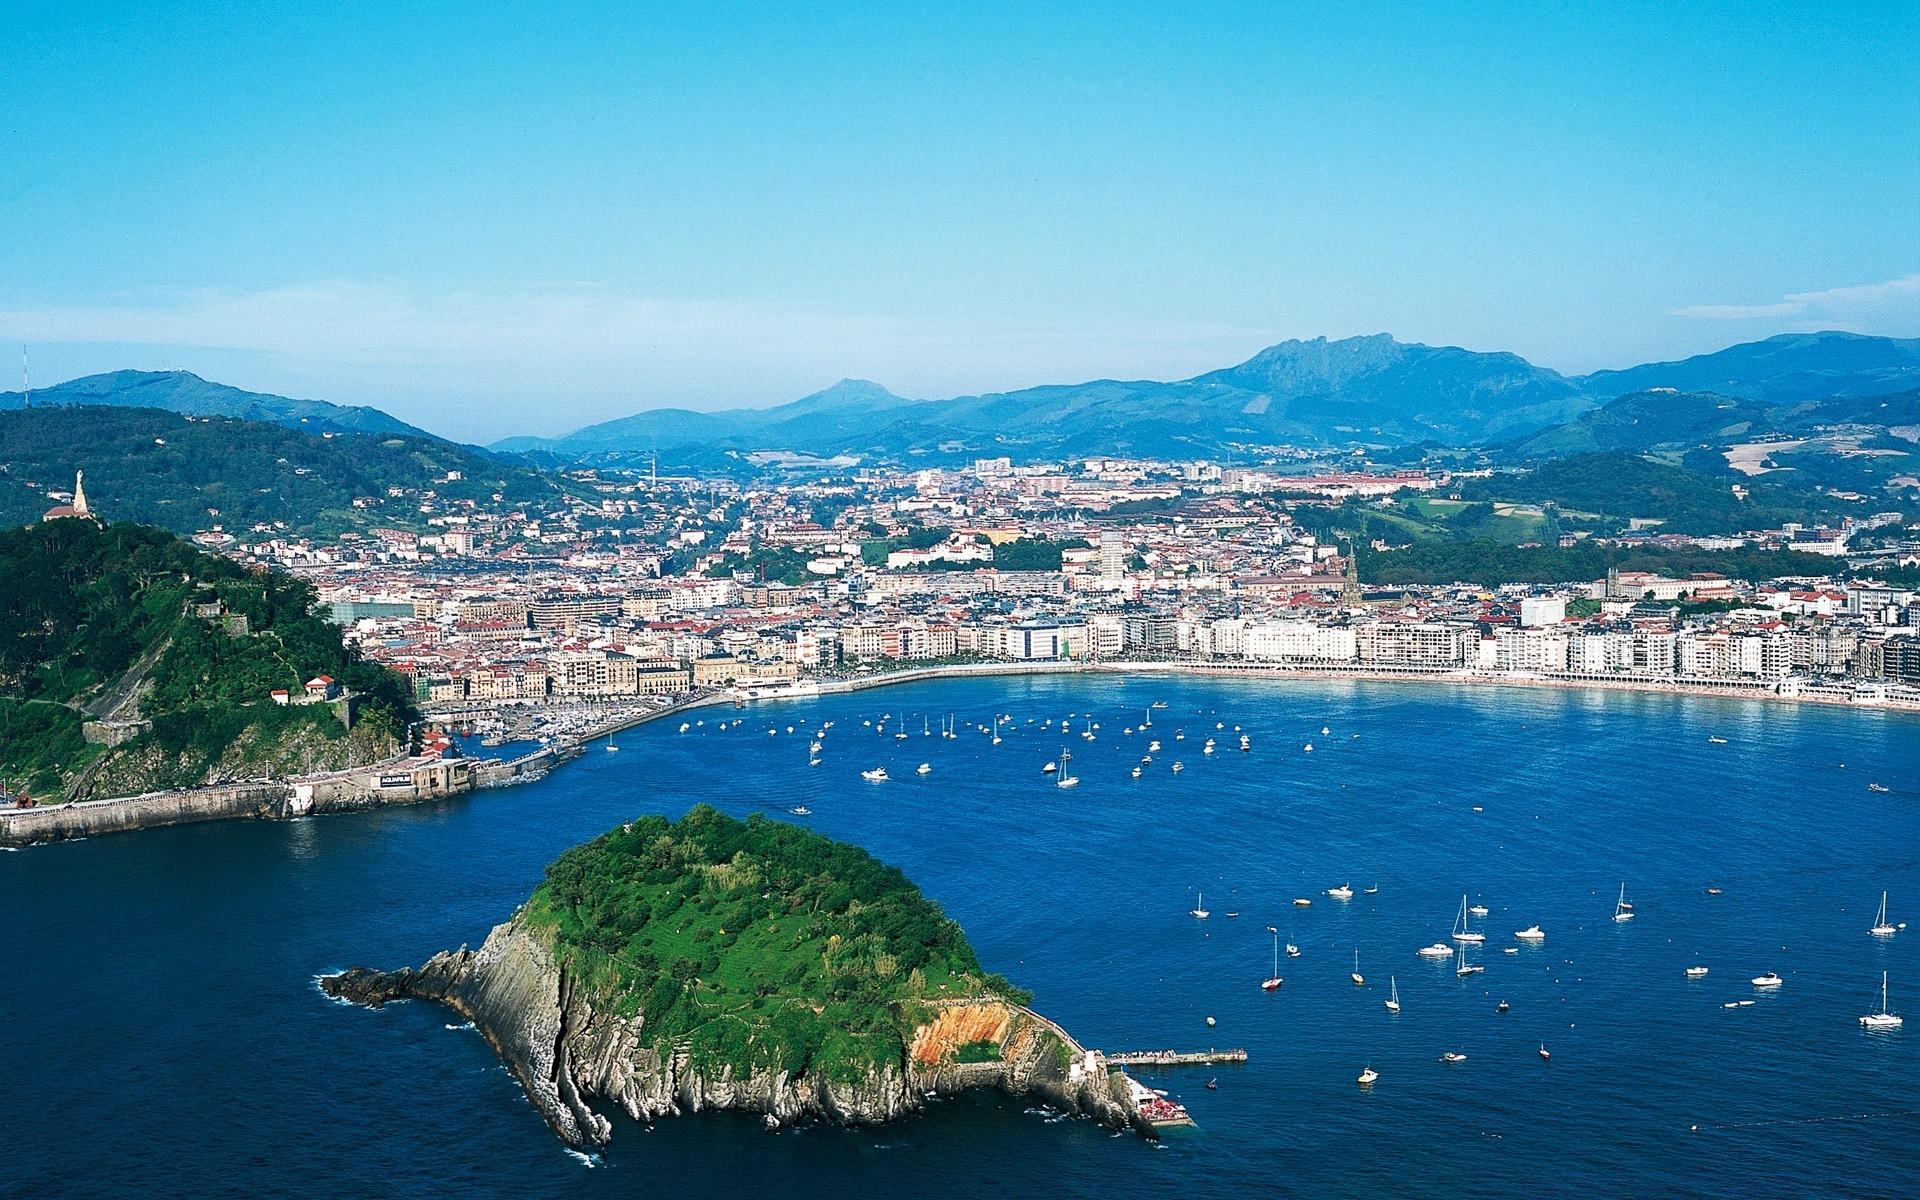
398	781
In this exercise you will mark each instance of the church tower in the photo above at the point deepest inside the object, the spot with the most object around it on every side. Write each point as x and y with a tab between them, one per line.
1350	594
80	508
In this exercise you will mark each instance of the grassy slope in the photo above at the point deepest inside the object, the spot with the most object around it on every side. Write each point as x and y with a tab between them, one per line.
757	943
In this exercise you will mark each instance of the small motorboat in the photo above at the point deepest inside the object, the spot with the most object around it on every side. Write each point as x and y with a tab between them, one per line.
1544	1054
1437	950
1500	1007
1769	980
877	775
801	810
1050	768
1718	741
1293	951
1177	768
1878	787
1301	902
1478	910
1136	772
1374	890
923	769
1368	1075
1452	1057
1713	891
1531	934
1696	972
1343	892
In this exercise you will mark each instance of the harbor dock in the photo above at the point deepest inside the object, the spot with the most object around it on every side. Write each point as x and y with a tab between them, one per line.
1175	1058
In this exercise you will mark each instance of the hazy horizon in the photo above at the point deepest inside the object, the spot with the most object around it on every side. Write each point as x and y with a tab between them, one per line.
491	226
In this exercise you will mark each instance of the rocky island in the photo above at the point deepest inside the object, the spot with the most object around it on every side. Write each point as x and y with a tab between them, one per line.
713	963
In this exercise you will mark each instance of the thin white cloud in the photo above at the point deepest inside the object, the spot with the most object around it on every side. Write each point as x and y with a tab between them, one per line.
1738	312
1892	307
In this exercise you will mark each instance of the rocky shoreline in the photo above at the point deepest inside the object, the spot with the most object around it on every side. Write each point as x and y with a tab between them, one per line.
567	1054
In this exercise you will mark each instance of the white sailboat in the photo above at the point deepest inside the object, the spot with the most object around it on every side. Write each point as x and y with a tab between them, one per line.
1357	977
1882	1019
1880	926
1460	931
1622	911
1393	1001
1272	982
1065	779
1199	908
1462	967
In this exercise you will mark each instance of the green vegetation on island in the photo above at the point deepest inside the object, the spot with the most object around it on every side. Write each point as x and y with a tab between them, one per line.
130	624
756	944
192	473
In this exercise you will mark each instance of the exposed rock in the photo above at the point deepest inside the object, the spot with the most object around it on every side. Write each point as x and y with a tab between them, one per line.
567	1054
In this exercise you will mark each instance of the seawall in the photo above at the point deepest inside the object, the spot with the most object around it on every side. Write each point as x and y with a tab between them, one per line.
399	781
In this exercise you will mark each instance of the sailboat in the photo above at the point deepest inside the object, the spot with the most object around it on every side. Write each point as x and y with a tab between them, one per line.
1882	1019
1462	967
1622	911
1357	977
1065	779
1272	982
1199	907
1880	926
996	729
1460	931
1393	1001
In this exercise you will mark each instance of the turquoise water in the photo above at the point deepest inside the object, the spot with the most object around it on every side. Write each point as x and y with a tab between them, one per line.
163	1035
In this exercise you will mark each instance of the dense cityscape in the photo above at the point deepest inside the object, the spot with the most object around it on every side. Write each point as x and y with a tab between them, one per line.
641	586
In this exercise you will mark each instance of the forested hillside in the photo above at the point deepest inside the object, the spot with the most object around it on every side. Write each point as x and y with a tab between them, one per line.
192	473
132	623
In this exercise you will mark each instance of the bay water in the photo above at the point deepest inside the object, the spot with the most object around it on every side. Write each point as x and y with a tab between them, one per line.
161	1034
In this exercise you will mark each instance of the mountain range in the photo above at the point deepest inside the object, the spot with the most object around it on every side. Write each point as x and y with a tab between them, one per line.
1370	391
1364	391
187	393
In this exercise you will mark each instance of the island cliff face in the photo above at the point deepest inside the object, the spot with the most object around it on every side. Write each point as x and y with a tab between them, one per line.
567	1051
711	963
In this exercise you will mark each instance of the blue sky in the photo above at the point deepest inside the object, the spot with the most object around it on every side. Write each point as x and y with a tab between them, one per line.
495	220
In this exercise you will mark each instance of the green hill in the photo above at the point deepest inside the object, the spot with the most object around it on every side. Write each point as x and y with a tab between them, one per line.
1624	485
756	944
131	624
191	473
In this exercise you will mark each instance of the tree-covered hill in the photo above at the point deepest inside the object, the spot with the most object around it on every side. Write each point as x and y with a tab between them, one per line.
132	622
191	473
1620	485
756	944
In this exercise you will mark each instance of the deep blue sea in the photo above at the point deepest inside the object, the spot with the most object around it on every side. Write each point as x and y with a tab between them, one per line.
162	1034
